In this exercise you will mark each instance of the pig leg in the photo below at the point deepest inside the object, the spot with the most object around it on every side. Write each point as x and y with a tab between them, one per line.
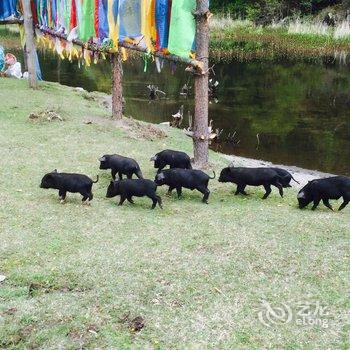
345	203
113	172
129	176
86	196
268	191
120	175
154	198
241	188
327	204
122	200
316	203
138	173
62	194
89	197
280	188
179	192
206	193
160	202
129	198
171	188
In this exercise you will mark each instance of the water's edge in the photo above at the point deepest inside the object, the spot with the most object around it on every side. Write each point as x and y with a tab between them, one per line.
291	113
300	174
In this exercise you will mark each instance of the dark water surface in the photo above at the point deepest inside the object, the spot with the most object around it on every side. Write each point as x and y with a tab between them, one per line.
301	111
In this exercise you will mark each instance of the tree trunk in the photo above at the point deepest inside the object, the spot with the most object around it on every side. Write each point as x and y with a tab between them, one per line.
30	44
200	125
117	88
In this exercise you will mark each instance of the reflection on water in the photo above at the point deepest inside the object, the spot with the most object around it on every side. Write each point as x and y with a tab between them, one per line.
299	111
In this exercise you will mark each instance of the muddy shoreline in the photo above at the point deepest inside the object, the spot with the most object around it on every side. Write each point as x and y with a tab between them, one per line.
300	174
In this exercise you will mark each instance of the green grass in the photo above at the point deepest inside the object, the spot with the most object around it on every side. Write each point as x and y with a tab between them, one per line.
196	273
246	42
243	41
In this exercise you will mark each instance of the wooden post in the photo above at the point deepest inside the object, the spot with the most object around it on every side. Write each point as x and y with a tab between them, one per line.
117	88
200	125
30	45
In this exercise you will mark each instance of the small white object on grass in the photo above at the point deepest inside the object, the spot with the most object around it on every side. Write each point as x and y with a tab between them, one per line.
2	278
79	89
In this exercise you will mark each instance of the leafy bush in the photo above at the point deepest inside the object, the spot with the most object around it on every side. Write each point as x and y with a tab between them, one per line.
265	11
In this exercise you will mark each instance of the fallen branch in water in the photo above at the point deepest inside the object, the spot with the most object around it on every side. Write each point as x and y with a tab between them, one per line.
258	141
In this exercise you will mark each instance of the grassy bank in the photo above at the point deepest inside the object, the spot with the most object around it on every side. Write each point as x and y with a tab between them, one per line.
243	41
298	39
78	276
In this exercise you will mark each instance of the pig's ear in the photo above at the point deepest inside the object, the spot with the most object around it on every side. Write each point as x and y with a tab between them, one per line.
55	171
301	195
153	159
102	159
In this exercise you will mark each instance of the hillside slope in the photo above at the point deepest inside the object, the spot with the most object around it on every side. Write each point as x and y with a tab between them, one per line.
197	274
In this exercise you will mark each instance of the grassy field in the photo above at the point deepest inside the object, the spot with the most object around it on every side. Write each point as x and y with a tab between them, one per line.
78	276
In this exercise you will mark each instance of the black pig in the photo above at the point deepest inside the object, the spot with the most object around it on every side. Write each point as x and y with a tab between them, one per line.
66	182
286	177
121	165
128	188
187	178
325	189
174	159
253	177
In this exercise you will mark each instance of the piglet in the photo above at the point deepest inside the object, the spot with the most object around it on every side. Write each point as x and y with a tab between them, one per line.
128	188
325	189
188	178
67	182
120	165
243	177
175	159
285	177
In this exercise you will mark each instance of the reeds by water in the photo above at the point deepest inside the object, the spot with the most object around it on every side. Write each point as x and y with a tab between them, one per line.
293	38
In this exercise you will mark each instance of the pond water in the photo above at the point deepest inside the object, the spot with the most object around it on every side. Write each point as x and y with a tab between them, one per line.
300	111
